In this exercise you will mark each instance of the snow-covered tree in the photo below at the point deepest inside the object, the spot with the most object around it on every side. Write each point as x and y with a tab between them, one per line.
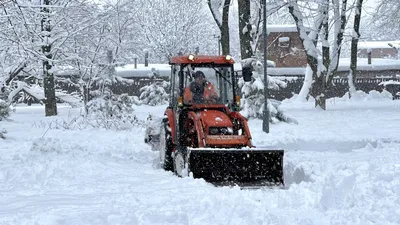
124	29
155	93
322	64
108	109
253	101
354	48
173	26
220	11
386	18
41	34
114	112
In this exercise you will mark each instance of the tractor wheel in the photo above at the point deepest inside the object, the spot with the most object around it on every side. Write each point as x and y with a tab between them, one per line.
180	165
166	146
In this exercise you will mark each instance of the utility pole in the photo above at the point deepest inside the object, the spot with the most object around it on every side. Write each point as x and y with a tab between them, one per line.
265	111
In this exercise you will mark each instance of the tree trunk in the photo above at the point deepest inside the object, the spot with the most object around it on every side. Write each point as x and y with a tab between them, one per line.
319	86
245	29
354	47
224	28
48	76
338	47
316	90
222	24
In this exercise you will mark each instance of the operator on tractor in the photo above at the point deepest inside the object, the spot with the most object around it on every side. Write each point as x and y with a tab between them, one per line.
200	90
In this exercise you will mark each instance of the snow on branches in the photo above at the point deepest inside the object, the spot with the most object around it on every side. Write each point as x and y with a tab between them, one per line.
115	111
155	94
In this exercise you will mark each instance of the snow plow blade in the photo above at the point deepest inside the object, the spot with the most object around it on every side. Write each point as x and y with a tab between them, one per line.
244	168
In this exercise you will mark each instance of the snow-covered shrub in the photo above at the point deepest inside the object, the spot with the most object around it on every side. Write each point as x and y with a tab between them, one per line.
114	111
46	146
104	108
155	93
2	134
252	103
4	107
4	102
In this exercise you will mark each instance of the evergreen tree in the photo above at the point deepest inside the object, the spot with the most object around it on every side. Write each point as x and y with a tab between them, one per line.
155	94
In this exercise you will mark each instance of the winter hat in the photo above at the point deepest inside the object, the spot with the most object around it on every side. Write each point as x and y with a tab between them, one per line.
198	74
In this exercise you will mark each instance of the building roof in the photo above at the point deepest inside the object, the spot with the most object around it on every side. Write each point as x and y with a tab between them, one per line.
201	59
378	44
282	28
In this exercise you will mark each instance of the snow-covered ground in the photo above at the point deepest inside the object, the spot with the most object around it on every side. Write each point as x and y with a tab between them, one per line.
342	167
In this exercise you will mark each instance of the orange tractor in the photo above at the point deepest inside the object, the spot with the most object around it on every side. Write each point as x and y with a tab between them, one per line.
206	136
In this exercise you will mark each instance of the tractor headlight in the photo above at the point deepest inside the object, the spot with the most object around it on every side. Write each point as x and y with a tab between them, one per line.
237	100
180	101
228	57
191	57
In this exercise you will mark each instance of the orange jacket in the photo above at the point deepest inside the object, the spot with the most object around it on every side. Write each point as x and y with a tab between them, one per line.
209	93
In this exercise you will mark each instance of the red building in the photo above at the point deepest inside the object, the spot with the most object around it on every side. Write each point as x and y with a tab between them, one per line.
285	47
379	49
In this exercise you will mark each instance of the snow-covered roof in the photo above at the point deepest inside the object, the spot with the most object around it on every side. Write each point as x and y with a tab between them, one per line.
282	28
378	44
376	64
284	39
164	70
344	65
65	70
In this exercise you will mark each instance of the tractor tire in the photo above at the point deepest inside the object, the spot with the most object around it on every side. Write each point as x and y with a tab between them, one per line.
180	164
166	160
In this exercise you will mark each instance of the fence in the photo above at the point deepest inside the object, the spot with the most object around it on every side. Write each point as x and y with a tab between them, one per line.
338	89
130	86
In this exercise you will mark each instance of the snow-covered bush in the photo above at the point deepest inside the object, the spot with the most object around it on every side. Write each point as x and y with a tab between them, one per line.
113	111
4	102
2	134
104	108
252	104
4	108
155	93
